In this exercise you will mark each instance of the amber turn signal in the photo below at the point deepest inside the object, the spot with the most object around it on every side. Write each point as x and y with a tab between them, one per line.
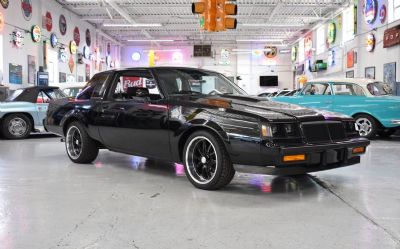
358	150
293	158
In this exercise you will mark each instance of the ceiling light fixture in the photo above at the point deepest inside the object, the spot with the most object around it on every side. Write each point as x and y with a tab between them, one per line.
140	25
259	40
154	40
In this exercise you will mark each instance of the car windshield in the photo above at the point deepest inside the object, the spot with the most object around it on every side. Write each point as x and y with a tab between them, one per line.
14	94
193	81
379	88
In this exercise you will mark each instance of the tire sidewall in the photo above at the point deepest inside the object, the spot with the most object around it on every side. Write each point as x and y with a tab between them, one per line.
6	121
218	152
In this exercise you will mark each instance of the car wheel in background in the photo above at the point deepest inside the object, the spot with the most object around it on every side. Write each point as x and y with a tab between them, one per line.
367	126
207	163
80	147
16	126
386	132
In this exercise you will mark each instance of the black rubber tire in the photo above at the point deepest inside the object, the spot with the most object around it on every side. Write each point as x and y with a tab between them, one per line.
224	172
386	132
373	122
6	121
89	150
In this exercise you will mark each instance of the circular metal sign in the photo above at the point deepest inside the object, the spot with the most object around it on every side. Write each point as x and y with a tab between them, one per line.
136	56
4	3
294	53
53	40
370	42
63	25
26	7
331	32
49	21
382	14
17	38
36	33
86	52
77	36
88	38
270	52
72	47
370	11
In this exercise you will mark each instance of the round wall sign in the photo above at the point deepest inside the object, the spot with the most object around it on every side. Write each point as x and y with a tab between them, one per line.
294	53
136	56
382	14
77	36
86	52
4	3
88	38
49	21
26	7
63	24
270	52
331	33
1	22
62	55
370	11
36	33
72	47
17	38
370	42
53	40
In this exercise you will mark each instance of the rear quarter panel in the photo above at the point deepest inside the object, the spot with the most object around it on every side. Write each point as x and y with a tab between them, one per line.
21	107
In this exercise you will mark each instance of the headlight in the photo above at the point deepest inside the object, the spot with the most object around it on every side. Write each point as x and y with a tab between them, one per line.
279	130
266	131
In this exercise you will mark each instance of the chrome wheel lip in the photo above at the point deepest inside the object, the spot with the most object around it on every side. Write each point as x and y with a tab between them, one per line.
190	167
364	126
17	127
73	142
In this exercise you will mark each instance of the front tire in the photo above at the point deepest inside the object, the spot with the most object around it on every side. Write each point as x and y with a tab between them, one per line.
207	163
16	126
80	147
367	126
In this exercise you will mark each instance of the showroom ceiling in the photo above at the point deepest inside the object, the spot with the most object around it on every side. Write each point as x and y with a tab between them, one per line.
271	21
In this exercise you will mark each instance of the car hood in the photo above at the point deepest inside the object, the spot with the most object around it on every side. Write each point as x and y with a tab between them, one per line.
269	110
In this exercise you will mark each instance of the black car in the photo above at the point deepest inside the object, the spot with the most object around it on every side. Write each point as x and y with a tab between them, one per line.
203	120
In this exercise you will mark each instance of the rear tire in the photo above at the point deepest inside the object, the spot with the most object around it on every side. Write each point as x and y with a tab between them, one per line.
80	147
16	126
367	126
207	163
386	132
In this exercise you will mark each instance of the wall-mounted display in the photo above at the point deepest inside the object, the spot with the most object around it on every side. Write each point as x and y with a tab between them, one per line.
382	13
270	51
4	3
370	72
72	47
31	69
331	33
62	23
48	21
370	11
15	73
17	39
62	77
53	40
1	22
62	55
71	64
36	33
350	59
350	74
391	37
88	38
389	75
77	36
370	42
26	7
294	53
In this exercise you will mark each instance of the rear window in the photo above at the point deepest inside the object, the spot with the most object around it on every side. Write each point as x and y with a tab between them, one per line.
95	88
379	88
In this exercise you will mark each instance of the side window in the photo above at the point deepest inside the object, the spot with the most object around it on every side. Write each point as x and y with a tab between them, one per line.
95	87
42	98
316	89
348	89
135	85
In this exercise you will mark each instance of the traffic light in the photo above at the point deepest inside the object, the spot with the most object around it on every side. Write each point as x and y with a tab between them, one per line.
223	21
213	14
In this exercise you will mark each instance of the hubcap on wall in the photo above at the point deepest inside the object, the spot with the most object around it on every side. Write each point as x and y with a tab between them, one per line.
364	126
73	141
201	160
17	127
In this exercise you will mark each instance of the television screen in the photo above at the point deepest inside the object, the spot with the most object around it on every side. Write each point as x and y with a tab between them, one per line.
268	80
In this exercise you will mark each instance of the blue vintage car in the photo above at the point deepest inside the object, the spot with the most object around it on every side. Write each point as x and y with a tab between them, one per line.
23	112
368	101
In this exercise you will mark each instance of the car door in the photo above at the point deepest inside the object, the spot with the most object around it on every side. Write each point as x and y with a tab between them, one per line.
313	95
42	104
136	116
348	98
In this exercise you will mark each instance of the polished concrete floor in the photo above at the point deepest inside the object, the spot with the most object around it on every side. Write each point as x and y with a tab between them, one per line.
122	201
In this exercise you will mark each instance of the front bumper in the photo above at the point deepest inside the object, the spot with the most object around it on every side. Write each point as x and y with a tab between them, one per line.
317	158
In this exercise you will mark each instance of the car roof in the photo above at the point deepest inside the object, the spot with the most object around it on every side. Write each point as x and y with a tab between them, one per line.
159	67
359	81
40	87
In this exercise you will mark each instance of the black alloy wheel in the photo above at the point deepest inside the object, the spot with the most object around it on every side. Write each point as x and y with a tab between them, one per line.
80	147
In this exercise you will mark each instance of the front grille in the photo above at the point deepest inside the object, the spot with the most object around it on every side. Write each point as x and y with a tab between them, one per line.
323	131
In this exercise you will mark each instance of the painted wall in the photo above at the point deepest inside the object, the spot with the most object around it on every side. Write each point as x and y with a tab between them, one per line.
15	21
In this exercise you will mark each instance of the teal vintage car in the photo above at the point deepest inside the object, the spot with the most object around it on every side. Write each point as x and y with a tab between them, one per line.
368	101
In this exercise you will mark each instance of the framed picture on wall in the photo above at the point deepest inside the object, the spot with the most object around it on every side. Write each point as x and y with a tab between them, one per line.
370	72
15	73
350	74
389	75
31	69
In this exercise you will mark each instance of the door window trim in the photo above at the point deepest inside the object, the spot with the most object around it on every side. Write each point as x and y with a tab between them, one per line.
346	83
